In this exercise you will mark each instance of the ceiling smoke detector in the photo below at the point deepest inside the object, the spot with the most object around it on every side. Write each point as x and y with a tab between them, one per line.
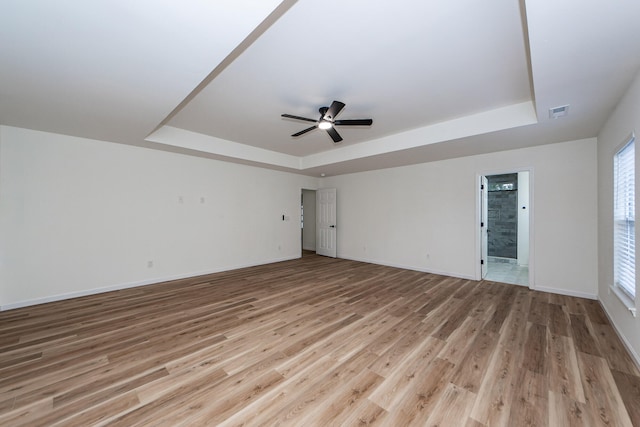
557	112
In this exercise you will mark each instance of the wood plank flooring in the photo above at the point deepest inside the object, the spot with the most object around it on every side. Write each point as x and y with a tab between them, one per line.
316	342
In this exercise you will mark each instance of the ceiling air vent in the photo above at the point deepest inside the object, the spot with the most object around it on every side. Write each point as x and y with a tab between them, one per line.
560	111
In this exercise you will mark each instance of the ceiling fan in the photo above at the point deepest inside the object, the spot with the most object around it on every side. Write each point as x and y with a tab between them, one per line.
327	121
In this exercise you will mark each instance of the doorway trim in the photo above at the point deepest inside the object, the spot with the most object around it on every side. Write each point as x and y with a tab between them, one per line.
478	214
306	223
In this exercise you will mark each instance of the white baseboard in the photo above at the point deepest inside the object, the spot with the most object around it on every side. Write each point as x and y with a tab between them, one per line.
410	267
470	277
566	292
120	286
634	355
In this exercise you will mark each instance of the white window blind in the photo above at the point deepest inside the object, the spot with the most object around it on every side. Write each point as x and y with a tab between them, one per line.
624	213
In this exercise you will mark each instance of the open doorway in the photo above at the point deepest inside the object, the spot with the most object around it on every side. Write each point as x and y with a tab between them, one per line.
308	221
505	223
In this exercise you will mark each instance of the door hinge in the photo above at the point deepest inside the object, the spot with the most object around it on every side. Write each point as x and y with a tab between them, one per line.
482	224
482	186
481	262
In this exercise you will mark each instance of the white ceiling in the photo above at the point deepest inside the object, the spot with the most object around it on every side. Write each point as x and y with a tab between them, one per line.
440	79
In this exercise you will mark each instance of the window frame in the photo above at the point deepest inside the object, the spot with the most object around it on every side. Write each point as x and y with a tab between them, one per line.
624	219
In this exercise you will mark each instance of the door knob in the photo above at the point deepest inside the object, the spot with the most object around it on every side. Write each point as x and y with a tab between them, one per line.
332	226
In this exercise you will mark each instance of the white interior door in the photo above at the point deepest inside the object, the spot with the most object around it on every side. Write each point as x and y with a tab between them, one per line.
326	222
484	215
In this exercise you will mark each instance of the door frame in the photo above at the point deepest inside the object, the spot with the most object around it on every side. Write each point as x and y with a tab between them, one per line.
478	214
302	249
484	225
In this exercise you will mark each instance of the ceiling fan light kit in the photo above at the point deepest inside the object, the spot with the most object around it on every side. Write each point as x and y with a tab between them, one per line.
327	121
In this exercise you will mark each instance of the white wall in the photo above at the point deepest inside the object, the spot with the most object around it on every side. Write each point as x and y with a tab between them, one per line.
624	120
309	231
79	216
424	216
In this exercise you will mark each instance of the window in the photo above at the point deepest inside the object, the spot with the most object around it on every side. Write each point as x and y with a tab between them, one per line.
624	212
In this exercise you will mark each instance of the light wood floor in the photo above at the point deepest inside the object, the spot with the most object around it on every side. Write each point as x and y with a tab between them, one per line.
316	342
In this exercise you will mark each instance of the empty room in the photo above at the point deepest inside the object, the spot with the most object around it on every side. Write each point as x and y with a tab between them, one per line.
319	213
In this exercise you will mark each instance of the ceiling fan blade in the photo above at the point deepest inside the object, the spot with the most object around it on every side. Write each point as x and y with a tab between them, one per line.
334	135
302	132
289	116
334	110
354	122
